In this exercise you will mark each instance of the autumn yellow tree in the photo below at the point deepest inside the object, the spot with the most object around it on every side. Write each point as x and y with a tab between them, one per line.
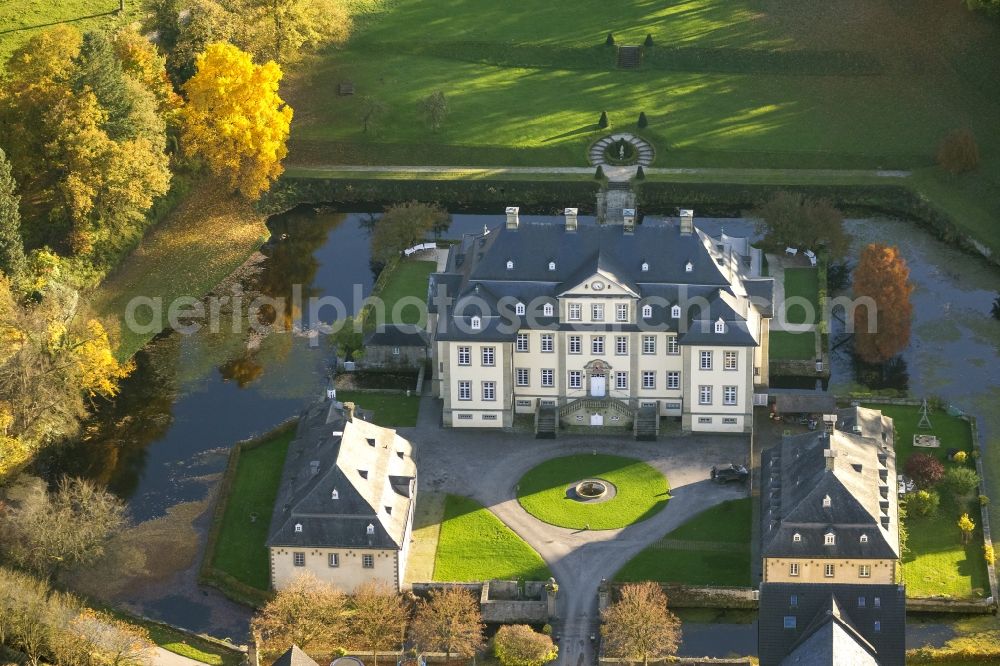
234	118
965	526
882	331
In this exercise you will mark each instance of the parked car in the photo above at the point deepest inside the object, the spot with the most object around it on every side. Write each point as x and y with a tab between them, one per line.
728	473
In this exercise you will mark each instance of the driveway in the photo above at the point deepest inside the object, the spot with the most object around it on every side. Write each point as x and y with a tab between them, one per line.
487	465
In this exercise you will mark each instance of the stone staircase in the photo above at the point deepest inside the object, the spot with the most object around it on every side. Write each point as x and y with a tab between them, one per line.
647	424
546	422
629	57
596	405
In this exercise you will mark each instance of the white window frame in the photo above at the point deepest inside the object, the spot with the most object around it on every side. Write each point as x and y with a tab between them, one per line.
864	571
298	559
548	342
576	344
649	344
489	391
829	539
705	394
621	345
647	311
705	362
547	310
730	395
477	323
730	360
829	570
465	355
793	569
488	356
621	312
575	379
597	312
575	312
621	380
720	326
649	379
465	390
675	312
333	560
673	380
521	343
367	561
796	538
597	344
673	348
522	376
645	267
520	309
548	377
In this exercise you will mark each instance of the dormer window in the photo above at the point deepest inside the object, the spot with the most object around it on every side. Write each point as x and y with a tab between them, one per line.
688	267
720	326
829	539
547	310
826	502
796	538
371	529
519	309
645	267
675	312
298	528
510	265
647	311
477	323
863	538
552	265
334	494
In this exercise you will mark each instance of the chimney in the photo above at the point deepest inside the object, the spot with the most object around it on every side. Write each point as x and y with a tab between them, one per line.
512	217
349	411
570	219
829	422
831	459
687	221
628	219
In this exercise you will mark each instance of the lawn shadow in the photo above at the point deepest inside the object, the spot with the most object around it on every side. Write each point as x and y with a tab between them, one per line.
586	129
52	23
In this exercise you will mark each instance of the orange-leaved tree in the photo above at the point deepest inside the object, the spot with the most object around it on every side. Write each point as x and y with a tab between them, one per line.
234	118
882	330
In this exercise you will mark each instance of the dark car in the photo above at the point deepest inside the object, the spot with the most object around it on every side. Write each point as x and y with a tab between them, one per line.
728	473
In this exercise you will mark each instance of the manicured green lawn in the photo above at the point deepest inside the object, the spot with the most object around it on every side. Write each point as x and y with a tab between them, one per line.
475	545
240	550
802	283
713	548
409	281
641	492
937	562
788	346
20	19
392	410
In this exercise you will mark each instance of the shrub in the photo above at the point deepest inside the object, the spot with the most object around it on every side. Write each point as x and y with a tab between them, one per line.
983	500
599	173
924	502
989	554
925	470
966	526
519	645
644	122
640	174
603	120
960	482
958	152
961	457
610	41
649	40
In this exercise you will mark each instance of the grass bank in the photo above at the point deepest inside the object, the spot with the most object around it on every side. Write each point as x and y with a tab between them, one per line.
712	548
475	545
640	491
405	289
392	410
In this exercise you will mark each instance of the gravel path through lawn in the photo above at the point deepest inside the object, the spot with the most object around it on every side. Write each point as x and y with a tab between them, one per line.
486	466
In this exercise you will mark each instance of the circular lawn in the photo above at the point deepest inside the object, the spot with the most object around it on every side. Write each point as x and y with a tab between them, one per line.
546	492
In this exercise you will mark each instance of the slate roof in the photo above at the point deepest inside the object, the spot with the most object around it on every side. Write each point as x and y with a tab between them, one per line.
478	282
834	625
371	469
396	335
295	657
792	401
855	469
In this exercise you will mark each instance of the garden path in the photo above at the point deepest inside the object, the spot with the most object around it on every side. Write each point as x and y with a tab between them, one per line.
488	465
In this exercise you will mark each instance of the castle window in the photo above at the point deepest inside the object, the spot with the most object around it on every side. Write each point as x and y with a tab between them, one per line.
547	310
829	539
298	528
519	309
863	538
552	265
675	312
510	265
720	326
688	267
477	323
334	494
645	267
370	529
796	537
826	502
647	311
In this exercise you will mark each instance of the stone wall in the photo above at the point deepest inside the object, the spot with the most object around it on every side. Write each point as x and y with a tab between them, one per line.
504	601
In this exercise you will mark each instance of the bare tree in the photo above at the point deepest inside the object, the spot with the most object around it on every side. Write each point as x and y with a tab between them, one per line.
379	618
450	622
307	612
435	108
52	532
113	642
639	627
372	111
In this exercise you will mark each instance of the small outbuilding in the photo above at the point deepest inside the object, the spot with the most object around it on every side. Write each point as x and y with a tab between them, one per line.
395	346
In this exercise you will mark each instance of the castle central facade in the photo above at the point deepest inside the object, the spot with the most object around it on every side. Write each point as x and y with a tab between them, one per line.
599	321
